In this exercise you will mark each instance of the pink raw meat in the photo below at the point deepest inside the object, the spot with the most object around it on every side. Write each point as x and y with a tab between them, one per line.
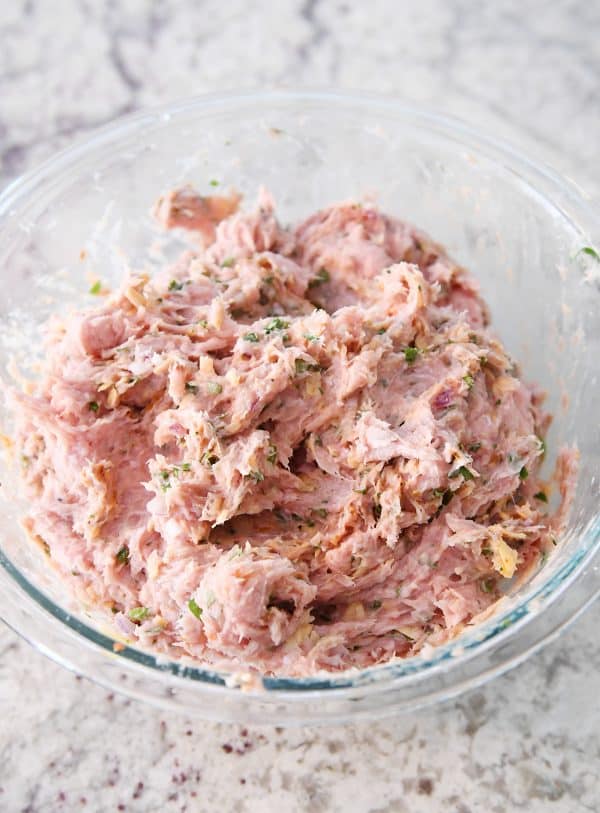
294	451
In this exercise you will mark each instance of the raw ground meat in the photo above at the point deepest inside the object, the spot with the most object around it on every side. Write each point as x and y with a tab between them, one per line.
296	450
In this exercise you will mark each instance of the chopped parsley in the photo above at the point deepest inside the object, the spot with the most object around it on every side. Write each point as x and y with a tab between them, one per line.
227	262
96	288
194	608
185	467
276	324
191	387
203	323
94	406
165	477
487	585
311	338
469	381
303	366
410	354
256	475
591	252
320	277
272	454
250	337
541	496
381	331
213	182
123	555
523	473
174	285
542	443
214	388
321	512
139	613
466	473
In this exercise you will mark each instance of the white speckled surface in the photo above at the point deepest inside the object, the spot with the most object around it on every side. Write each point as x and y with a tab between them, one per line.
527	741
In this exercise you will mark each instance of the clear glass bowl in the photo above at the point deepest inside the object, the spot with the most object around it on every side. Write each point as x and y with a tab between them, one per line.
515	224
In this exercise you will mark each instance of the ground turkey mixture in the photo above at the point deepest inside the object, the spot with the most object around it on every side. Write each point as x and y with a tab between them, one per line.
298	449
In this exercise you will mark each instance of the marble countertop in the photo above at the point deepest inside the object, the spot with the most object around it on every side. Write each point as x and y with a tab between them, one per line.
527	741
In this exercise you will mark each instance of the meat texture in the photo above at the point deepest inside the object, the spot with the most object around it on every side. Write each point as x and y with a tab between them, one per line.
296	450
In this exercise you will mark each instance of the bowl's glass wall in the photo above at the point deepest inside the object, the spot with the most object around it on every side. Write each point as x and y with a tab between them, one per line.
87	217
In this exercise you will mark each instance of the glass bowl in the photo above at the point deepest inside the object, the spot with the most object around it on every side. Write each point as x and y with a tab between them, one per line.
521	230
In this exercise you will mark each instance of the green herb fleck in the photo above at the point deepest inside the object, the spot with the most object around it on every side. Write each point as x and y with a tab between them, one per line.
321	512
410	354
360	490
96	288
165	476
228	262
311	338
174	285
94	406
375	605
523	474
276	324
487	585
194	609
185	466
213	182
256	475
303	366
376	511
203	323
123	555
318	441
474	447
467	475
381	331
541	496
250	337
542	443
139	613
321	276
469	381
213	388
191	387
268	280
272	454
591	252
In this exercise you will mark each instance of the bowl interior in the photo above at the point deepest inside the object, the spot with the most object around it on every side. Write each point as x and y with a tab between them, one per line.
85	216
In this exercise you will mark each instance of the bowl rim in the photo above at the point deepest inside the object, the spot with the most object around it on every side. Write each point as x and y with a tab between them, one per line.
376	679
